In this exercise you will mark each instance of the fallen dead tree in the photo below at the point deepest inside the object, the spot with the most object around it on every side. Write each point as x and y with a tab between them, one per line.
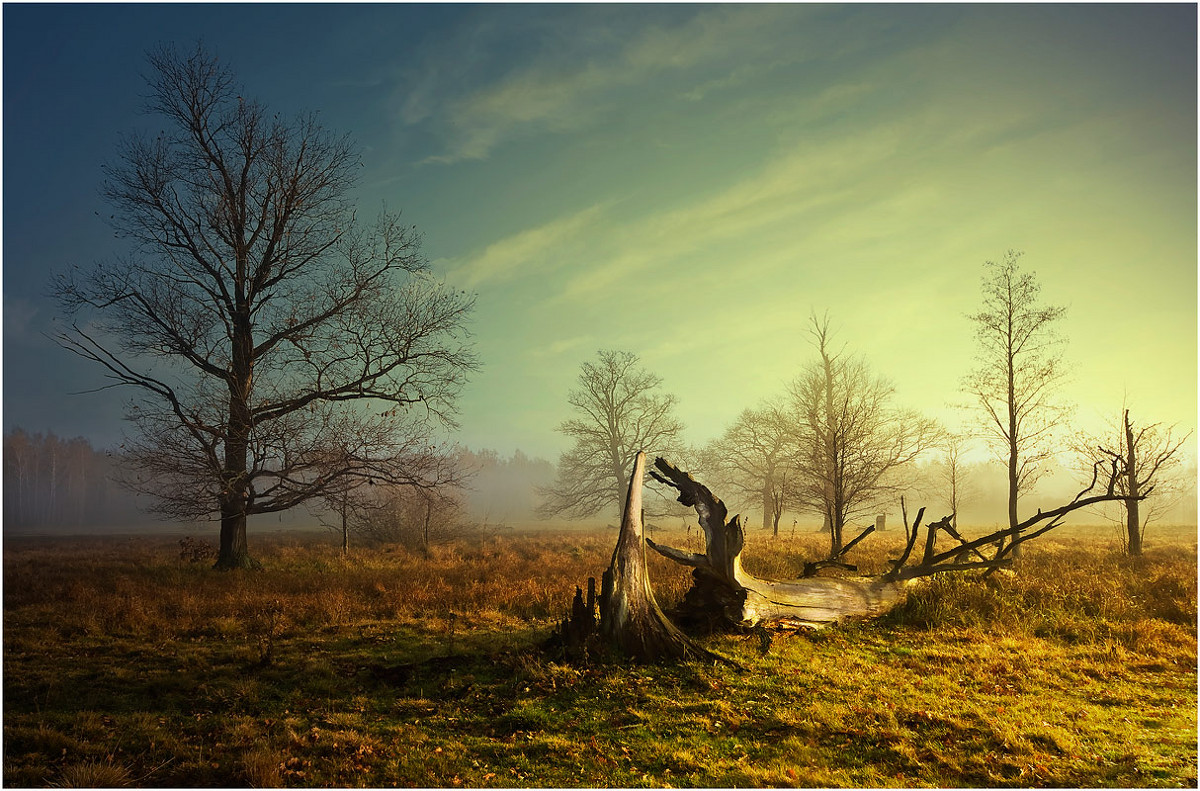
725	595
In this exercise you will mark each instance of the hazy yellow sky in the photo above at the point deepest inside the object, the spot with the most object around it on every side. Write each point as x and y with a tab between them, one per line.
712	181
687	182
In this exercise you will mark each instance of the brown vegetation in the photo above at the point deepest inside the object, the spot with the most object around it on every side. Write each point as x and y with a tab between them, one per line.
386	667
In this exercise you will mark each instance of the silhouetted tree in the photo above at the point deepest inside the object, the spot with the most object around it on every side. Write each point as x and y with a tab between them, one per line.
619	413
1019	366
278	347
851	442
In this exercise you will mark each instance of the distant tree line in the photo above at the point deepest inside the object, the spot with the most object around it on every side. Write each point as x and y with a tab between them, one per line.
51	482
503	490
486	492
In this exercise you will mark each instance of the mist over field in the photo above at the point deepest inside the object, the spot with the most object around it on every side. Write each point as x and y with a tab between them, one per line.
57	487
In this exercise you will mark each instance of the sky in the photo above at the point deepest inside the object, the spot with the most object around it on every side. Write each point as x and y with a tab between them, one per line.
686	182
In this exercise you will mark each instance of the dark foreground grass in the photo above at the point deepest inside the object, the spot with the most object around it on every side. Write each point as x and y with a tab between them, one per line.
125	666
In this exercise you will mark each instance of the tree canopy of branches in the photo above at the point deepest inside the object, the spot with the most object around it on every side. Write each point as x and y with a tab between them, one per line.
1147	460
755	457
1019	365
619	412
851	441
278	347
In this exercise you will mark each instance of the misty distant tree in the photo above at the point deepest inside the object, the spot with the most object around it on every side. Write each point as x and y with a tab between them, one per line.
1148	460
348	507
953	473
503	489
852	443
52	483
1019	367
417	518
279	347
755	457
619	412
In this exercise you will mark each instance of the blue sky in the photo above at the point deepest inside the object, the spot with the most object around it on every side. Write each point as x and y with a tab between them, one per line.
686	182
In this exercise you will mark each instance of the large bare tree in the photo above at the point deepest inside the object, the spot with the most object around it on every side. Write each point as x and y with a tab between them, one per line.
619	412
1147	459
852	443
1019	367
279	347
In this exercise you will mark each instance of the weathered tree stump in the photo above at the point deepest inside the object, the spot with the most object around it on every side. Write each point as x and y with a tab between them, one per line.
631	620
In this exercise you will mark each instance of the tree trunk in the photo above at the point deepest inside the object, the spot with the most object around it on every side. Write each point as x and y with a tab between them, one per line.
724	594
768	508
1013	457
835	531
233	553
1133	526
425	525
236	496
346	524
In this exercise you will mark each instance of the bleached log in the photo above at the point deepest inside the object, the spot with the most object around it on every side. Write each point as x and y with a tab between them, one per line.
722	589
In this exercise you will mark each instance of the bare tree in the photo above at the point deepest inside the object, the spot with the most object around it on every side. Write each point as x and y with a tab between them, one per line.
417	518
619	413
953	471
756	456
434	476
1019	365
1147	459
851	443
279	348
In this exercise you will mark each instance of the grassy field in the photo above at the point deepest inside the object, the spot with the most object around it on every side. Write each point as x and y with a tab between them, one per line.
124	665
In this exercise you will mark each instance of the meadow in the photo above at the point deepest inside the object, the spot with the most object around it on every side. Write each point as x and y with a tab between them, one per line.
127	665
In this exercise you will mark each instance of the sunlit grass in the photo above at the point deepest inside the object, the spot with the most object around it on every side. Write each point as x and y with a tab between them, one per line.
124	664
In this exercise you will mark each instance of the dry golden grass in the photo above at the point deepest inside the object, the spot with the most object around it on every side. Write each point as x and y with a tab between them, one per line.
387	667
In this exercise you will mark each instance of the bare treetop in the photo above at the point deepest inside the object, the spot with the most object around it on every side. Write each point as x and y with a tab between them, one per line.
619	414
1019	365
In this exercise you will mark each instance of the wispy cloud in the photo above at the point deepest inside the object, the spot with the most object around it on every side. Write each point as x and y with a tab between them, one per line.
524	253
562	92
560	347
785	189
